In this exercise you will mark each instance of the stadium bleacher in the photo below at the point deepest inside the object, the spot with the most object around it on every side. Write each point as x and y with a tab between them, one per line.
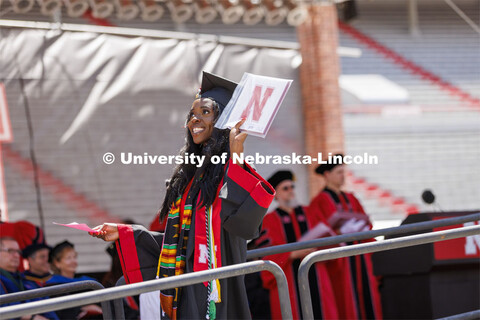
430	149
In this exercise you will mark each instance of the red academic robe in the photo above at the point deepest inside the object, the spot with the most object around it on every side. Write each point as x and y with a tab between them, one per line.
355	286
280	227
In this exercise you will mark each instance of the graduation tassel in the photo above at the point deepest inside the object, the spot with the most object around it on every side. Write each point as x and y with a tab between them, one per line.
212	310
213	289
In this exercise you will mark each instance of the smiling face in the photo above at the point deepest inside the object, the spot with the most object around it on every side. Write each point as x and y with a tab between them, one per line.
67	262
201	120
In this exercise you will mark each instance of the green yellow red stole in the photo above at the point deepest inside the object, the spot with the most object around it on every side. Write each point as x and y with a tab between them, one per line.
173	255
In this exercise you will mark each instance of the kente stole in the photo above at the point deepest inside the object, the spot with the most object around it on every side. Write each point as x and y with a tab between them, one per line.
173	255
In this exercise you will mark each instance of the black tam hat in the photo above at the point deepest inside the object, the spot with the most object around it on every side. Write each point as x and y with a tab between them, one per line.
322	168
217	88
281	176
59	248
34	247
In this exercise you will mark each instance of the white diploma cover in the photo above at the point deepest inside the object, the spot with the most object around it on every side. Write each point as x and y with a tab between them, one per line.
257	99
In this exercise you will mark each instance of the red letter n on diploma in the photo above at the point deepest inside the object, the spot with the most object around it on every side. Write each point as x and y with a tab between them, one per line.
255	102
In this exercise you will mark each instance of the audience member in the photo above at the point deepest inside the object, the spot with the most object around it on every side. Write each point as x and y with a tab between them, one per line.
10	279
38	272
24	232
63	261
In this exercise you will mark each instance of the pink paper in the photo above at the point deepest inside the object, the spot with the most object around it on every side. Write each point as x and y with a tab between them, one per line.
79	226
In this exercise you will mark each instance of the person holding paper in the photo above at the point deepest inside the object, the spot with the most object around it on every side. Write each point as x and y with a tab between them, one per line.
288	223
356	288
211	211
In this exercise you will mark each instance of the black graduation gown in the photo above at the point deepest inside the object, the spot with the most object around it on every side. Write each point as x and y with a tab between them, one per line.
244	199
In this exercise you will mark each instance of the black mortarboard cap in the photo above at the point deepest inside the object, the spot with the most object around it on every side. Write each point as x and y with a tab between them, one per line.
280	176
59	248
328	166
34	247
217	88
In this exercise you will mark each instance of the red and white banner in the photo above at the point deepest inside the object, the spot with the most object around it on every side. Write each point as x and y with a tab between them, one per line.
457	249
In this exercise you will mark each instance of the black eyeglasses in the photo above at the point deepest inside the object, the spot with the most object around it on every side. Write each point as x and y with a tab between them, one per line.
12	251
286	188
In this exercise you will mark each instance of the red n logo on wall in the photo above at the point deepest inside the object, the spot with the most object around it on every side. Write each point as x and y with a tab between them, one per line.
472	243
257	102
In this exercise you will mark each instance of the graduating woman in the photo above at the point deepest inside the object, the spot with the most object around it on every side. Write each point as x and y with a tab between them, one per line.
211	211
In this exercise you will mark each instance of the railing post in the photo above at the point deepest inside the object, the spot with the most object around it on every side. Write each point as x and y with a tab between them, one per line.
118	303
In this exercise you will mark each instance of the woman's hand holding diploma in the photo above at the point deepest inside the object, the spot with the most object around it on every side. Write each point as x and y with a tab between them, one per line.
237	139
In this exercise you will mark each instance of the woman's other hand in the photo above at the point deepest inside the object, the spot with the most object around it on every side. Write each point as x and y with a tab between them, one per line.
237	139
106	231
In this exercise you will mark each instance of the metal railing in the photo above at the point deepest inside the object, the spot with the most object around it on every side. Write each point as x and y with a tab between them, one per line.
472	315
80	299
187	279
60	289
341	252
51	291
323	242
